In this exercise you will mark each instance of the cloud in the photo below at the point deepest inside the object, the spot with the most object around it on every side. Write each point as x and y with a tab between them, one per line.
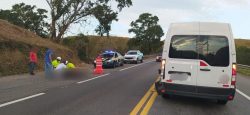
170	11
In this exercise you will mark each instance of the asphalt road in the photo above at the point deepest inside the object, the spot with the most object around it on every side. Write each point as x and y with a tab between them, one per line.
121	91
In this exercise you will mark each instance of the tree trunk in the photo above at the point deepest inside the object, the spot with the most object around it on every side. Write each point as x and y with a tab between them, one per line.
59	36
53	29
108	34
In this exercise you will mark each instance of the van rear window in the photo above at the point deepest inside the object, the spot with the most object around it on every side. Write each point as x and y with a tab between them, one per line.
212	49
183	47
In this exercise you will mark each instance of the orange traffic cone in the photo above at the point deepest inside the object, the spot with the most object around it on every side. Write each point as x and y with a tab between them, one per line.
98	69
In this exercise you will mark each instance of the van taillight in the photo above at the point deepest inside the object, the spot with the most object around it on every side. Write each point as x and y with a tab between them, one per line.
234	72
234	69
163	62
202	63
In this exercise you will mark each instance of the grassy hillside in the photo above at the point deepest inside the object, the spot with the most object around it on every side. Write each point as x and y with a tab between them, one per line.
242	42
103	43
243	51
91	46
15	44
243	54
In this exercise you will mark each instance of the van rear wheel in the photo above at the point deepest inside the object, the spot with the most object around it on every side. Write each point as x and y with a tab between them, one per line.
222	102
165	96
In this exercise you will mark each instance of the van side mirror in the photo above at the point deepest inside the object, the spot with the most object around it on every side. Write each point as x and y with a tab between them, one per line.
159	71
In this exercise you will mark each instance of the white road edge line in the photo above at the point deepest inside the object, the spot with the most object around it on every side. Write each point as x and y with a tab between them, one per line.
92	78
135	66
22	99
243	94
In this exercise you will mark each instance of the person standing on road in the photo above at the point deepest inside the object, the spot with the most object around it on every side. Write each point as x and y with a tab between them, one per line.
48	63
33	61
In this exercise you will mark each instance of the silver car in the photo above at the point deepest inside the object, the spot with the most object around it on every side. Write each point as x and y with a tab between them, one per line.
133	56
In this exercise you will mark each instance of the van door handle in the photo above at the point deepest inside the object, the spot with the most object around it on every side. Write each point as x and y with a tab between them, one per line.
179	72
205	69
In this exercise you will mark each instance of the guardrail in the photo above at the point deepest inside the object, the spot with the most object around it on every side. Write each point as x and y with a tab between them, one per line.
243	66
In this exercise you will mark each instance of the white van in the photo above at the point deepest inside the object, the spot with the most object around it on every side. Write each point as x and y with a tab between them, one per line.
198	60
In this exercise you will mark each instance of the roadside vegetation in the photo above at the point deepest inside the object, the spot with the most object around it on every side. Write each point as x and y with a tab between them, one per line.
243	55
148	34
26	25
244	71
23	26
88	47
15	44
28	17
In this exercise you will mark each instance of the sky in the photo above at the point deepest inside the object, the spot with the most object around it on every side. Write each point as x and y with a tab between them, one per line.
235	12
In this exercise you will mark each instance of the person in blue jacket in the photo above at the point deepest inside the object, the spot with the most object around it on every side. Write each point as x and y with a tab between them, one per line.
48	63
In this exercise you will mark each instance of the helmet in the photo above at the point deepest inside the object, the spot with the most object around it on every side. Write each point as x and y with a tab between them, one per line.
59	58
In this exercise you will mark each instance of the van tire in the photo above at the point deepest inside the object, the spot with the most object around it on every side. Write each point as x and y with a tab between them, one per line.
222	102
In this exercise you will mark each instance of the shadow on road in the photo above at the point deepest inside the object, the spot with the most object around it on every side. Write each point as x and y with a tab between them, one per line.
182	100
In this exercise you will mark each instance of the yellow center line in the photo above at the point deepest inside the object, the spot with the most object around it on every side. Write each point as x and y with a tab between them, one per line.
149	104
144	99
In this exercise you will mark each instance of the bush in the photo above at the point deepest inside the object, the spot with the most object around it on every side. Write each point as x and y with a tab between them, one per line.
243	55
88	47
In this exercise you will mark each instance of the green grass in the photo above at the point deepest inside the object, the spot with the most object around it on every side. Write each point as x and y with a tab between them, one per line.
244	71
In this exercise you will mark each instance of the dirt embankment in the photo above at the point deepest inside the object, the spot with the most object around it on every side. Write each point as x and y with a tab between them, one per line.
15	45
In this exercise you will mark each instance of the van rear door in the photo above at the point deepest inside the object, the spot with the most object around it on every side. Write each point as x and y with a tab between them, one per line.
182	64
214	62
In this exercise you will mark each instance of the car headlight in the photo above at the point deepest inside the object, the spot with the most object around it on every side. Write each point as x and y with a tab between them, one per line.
110	60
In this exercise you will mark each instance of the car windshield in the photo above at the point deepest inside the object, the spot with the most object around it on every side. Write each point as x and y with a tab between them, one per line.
132	53
107	55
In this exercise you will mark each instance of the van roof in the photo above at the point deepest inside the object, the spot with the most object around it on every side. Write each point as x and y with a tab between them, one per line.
200	28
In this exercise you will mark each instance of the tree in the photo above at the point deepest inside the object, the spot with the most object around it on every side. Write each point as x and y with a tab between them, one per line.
28	17
147	33
67	12
105	15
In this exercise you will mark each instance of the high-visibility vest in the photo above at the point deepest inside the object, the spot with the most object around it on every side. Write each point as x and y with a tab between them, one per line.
70	65
55	63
